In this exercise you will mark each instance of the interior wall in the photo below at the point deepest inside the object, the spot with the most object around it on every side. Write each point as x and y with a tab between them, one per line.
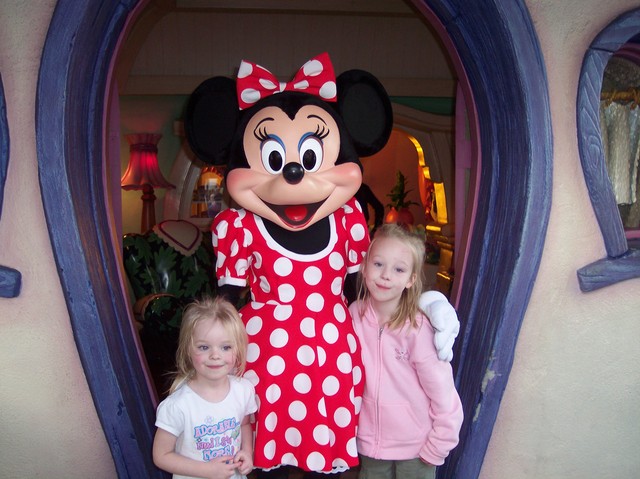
176	55
379	172
148	114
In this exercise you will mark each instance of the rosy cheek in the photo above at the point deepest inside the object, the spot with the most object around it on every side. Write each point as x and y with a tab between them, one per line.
240	180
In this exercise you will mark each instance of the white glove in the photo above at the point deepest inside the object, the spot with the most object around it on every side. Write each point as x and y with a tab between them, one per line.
444	319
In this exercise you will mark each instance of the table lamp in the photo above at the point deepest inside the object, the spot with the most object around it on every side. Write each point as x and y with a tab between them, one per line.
143	173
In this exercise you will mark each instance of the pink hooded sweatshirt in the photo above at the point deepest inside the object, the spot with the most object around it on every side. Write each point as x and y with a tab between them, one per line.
410	405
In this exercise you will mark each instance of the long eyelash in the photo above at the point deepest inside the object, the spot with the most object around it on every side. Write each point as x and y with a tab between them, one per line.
261	134
321	132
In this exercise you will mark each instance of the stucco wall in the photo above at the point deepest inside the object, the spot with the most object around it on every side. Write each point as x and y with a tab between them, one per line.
570	407
49	427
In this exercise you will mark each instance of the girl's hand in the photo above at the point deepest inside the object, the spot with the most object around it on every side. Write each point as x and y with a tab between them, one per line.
165	457
427	463
244	462
221	468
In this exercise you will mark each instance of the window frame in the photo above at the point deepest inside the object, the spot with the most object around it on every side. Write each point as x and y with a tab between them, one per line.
622	261
10	279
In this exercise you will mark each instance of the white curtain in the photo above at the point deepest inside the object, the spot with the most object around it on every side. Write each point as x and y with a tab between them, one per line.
620	127
620	124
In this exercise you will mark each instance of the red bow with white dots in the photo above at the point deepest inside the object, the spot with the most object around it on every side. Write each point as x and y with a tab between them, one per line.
316	77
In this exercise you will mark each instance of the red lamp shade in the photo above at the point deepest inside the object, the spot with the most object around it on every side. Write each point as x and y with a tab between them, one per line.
143	173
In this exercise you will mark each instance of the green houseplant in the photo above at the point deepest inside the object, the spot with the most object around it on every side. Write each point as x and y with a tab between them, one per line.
399	205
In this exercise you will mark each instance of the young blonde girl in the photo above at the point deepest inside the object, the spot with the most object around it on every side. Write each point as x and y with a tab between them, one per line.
203	427
411	412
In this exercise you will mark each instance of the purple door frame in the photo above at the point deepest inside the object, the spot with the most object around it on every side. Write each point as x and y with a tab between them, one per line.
498	52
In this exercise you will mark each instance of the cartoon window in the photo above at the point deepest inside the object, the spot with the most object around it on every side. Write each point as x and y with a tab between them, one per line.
612	56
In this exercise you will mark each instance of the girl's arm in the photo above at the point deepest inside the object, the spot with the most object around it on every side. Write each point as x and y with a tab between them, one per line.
445	408
244	458
165	457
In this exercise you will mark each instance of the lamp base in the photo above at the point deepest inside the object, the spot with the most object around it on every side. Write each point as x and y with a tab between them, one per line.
148	209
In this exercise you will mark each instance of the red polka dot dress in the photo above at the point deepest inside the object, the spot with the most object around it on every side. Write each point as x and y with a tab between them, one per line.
303	356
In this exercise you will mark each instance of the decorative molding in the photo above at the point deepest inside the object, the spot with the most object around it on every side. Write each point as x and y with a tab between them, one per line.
69	138
10	279
495	47
621	263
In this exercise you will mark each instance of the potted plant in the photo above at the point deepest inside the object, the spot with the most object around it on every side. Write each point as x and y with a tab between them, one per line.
399	212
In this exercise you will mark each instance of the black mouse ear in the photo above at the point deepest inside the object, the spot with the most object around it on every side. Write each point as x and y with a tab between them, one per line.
211	118
365	107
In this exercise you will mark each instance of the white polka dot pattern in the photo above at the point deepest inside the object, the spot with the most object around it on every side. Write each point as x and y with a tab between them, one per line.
302	383
312	275
275	365
273	393
315	461
271	421
303	357
316	77
297	411
293	436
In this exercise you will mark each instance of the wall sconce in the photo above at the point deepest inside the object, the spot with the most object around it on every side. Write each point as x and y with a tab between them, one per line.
143	173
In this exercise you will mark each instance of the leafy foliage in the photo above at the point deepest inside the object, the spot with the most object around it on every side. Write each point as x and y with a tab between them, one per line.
165	281
398	194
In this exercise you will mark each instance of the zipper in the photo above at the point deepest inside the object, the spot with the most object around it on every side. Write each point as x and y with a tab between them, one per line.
379	374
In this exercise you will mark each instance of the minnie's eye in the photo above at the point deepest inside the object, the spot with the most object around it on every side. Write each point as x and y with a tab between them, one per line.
311	153
273	155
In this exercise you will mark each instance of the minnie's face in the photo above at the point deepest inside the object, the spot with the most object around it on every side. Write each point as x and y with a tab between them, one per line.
293	179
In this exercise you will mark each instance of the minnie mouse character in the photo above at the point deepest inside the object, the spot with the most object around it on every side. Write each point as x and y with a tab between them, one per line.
292	155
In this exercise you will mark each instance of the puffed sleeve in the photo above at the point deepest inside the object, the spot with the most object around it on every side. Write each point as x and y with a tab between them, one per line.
251	405
170	417
357	233
230	247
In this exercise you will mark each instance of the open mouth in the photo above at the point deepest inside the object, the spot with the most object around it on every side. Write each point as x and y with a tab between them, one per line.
295	216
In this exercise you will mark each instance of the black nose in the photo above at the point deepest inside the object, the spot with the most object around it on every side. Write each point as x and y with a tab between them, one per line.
293	173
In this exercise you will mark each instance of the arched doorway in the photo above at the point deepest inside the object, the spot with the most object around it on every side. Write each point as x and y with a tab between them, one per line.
497	49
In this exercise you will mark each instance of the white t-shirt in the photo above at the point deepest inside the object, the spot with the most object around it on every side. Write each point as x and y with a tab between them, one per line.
207	430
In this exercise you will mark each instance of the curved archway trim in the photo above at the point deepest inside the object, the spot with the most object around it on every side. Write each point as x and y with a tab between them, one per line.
505	70
69	130
497	46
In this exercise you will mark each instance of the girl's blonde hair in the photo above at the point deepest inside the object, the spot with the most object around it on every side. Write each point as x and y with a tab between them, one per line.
408	304
218	310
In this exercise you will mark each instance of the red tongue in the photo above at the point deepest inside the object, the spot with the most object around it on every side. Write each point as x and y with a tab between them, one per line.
296	213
